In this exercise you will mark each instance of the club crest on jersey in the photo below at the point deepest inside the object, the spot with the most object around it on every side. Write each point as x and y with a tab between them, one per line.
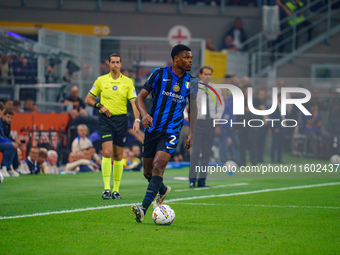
115	88
176	88
187	84
124	140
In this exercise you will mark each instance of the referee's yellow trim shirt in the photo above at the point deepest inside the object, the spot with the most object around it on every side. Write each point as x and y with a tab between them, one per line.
114	93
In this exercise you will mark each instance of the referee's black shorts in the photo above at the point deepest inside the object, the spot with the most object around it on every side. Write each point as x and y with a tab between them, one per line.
113	128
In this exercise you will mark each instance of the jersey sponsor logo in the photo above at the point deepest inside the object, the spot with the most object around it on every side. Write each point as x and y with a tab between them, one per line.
114	88
176	98
176	88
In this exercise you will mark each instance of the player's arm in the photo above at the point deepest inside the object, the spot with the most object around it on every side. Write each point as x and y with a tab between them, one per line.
89	100
192	114
136	123
146	118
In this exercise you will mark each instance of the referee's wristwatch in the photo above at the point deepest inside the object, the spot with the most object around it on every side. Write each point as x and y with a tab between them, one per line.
98	106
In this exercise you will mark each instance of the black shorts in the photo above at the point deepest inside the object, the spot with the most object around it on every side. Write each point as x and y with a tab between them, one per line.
113	129
156	141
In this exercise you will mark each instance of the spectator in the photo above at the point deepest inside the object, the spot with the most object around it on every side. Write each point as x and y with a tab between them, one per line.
5	69
74	99
209	45
71	123
23	167
204	130
132	162
81	142
262	134
104	67
136	150
89	154
312	126
6	120
31	160
24	71
248	135
291	8
238	34
17	106
77	163
9	104
278	134
50	166
41	160
29	105
228	139
8	149
228	43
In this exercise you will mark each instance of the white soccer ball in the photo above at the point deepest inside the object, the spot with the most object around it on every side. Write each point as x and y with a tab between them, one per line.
231	167
335	159
163	215
1	178
231	164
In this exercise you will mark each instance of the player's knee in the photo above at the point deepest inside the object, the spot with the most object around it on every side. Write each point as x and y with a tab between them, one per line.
107	153
159	167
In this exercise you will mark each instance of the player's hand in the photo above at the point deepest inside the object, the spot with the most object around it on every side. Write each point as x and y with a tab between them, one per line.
106	111
136	127
188	143
147	121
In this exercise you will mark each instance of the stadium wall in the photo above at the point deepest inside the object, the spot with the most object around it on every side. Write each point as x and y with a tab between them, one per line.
124	20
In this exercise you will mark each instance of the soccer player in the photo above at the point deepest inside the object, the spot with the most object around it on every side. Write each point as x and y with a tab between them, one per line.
114	89
171	88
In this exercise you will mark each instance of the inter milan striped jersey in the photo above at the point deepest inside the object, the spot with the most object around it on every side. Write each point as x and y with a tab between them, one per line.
170	94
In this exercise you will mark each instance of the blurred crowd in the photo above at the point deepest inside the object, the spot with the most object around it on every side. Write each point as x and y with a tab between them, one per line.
79	149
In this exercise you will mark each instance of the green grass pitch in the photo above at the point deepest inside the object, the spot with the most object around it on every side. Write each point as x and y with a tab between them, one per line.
236	216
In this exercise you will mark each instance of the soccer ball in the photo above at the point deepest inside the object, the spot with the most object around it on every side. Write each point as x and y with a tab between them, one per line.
1	178
231	167
163	215
335	159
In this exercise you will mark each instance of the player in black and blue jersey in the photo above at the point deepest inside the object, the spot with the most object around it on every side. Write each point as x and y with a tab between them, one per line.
171	87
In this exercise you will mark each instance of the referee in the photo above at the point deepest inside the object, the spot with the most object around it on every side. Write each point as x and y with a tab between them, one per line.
114	89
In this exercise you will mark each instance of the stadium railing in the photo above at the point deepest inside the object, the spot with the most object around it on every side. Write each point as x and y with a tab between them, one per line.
265	53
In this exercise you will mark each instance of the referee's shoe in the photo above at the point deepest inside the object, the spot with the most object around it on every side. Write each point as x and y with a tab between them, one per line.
116	195
106	194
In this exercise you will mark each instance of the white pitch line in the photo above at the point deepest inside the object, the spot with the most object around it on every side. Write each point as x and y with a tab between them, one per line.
250	205
174	200
214	187
257	191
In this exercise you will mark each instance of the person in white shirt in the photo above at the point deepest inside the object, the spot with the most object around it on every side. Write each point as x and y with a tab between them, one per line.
50	165
204	130
81	142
